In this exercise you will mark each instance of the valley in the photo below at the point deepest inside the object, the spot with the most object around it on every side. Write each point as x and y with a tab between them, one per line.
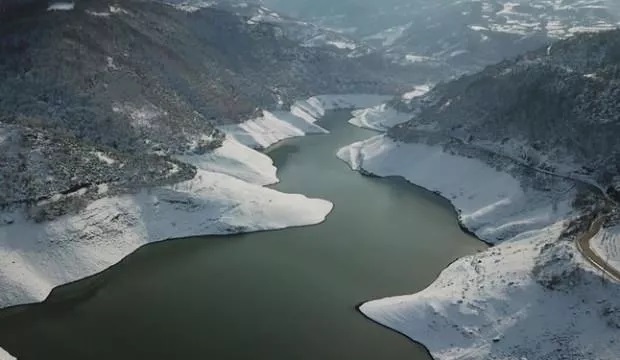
194	177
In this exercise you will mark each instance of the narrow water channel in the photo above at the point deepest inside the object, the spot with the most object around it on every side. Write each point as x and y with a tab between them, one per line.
288	294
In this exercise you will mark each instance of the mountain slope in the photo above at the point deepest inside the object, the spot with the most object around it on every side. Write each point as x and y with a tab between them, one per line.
454	36
142	77
556	108
305	33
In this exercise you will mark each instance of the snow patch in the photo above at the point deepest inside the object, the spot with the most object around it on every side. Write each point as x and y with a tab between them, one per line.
343	45
412	58
261	132
34	258
491	203
61	6
104	158
98	13
274	126
379	118
5	355
141	116
117	10
417	92
607	245
389	36
489	306
238	160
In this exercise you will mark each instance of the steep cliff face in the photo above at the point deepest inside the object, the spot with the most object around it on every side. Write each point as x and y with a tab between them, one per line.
556	108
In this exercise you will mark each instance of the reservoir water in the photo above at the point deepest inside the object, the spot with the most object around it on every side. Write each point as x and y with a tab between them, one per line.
288	294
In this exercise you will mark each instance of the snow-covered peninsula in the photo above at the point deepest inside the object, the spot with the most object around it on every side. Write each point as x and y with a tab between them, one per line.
226	196
533	295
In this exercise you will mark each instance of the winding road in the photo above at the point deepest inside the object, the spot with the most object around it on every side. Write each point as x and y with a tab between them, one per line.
583	241
583	245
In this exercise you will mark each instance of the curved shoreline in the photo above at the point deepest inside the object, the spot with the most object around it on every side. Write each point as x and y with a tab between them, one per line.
224	191
579	241
455	316
55	296
463	228
434	202
358	309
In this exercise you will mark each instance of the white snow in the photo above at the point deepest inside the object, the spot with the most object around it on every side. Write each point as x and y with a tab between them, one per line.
380	118
238	160
458	52
61	6
117	10
412	58
490	306
416	92
193	6
607	245
98	13
226	196
343	45
34	258
383	117
478	28
388	37
5	355
274	126
142	116
104	158
491	203
323	103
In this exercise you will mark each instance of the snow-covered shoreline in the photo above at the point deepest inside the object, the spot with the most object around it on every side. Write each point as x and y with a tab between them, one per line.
383	116
491	203
271	127
530	297
226	196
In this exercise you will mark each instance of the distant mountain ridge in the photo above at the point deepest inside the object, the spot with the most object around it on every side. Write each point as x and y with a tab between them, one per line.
453	37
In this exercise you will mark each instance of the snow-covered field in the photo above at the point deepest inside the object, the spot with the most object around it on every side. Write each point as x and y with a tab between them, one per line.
607	245
493	305
226	196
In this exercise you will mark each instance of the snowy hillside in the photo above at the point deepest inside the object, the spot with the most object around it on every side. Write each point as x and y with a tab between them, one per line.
224	194
607	244
512	148
450	37
303	32
555	109
128	78
533	295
